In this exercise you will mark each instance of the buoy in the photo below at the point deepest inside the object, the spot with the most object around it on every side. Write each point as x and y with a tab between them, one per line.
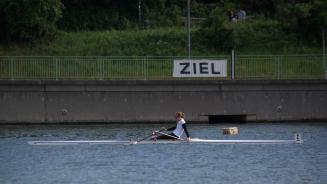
230	131
298	138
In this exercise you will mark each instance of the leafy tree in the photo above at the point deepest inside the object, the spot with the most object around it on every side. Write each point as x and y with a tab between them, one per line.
219	33
30	20
162	12
98	15
213	32
319	19
305	20
2	21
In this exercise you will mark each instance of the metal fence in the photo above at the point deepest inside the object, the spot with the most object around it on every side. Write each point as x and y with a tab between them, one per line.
280	67
156	68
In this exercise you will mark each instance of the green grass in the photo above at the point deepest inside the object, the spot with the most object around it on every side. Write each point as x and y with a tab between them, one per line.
152	42
106	43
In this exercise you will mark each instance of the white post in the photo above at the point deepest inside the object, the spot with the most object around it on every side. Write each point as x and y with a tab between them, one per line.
298	138
11	68
233	66
57	68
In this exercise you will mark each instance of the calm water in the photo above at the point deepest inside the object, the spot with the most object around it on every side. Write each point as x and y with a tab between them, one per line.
163	163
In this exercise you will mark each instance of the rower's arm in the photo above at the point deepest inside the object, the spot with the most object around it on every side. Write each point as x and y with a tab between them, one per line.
185	129
171	128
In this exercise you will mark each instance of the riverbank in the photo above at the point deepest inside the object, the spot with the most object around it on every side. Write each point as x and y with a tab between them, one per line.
151	42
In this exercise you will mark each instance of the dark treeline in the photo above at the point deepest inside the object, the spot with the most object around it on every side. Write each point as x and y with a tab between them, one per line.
115	14
287	20
122	14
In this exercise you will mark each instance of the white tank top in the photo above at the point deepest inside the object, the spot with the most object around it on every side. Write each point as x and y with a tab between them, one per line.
179	130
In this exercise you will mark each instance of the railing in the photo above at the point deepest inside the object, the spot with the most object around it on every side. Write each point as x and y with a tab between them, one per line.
280	67
155	68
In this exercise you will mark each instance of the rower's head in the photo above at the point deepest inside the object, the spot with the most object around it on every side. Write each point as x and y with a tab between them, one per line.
179	115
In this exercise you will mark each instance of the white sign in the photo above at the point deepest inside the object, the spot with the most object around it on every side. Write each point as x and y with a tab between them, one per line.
200	68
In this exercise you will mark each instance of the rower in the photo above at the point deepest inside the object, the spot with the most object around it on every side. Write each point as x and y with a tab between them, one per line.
178	130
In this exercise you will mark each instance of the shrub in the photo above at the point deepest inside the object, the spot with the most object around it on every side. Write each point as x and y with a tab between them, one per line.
222	35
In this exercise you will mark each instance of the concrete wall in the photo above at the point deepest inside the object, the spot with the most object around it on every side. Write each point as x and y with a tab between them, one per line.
157	101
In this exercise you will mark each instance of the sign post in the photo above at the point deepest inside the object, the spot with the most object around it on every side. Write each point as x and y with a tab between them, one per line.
233	65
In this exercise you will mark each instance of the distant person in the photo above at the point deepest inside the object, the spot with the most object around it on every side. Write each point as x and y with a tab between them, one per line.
232	16
241	14
178	130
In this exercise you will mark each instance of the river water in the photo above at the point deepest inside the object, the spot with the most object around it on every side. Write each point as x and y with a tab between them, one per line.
163	163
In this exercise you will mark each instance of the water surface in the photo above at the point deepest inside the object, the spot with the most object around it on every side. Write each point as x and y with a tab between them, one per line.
163	163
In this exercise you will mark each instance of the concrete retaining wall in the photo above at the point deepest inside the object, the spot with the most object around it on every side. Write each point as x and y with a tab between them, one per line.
157	101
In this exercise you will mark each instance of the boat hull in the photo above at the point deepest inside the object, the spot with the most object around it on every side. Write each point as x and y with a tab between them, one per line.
191	141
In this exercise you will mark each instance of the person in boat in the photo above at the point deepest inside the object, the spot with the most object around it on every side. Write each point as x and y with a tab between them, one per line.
178	130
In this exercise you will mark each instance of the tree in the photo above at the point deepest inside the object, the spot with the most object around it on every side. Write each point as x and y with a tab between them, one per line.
98	14
213	32
29	20
319	17
2	21
307	19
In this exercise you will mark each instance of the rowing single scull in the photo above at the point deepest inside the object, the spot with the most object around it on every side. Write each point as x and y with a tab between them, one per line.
297	140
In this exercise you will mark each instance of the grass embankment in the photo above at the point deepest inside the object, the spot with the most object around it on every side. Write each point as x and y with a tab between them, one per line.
157	42
154	42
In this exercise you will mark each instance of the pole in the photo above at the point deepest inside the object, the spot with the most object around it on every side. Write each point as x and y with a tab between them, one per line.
140	14
189	27
323	38
11	68
57	68
233	65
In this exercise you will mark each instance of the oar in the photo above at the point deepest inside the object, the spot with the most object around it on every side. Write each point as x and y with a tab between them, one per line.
156	131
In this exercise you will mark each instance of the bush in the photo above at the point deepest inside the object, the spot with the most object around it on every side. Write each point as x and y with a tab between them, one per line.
30	20
98	15
213	33
251	34
122	43
222	35
2	21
